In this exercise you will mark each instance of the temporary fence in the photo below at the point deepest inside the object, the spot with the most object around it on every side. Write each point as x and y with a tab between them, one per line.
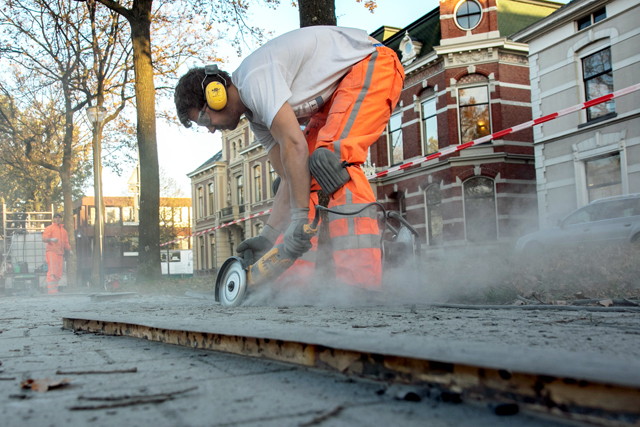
455	148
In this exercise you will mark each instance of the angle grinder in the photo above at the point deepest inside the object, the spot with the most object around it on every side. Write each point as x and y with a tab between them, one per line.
237	274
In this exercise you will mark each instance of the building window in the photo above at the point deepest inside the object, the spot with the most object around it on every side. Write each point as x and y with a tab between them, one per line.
429	126
112	247
202	258
480	210
598	81
130	245
468	15
200	202
588	20
112	215
604	177
212	244
257	183
433	201
240	190
211	208
475	120
127	214
91	220
272	179
233	151
396	154
258	228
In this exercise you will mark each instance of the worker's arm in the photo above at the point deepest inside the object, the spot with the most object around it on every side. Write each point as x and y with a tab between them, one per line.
294	155
279	216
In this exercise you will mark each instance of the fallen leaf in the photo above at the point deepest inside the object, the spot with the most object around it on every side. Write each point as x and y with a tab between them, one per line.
45	384
559	302
605	302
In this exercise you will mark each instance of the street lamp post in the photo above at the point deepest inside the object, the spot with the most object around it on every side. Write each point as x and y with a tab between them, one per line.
96	115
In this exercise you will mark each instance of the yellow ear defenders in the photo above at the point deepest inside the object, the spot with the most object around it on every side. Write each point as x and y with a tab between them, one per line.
215	93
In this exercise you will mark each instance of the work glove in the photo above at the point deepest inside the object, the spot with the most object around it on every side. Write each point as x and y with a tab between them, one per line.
261	244
296	242
53	240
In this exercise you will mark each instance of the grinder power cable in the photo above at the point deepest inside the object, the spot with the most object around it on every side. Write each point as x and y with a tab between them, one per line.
237	274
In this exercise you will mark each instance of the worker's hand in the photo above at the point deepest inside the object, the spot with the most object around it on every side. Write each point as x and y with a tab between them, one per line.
261	244
296	242
53	240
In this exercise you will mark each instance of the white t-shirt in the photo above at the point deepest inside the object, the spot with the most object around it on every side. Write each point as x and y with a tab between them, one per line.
303	67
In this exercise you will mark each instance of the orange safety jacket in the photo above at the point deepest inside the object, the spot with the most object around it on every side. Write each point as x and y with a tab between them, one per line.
56	231
349	124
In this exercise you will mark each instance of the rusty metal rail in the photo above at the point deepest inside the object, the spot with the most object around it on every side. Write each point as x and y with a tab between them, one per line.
567	397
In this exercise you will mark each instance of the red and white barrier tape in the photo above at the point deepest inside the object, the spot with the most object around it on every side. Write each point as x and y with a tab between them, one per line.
530	123
454	148
217	227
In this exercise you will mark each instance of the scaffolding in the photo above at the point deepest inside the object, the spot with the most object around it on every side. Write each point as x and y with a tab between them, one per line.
23	251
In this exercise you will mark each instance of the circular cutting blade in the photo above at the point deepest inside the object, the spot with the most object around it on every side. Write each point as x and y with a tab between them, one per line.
233	283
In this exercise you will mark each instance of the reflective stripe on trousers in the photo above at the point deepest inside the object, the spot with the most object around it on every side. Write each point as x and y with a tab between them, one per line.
348	125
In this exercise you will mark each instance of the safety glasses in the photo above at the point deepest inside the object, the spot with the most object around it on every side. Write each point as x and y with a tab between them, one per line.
203	117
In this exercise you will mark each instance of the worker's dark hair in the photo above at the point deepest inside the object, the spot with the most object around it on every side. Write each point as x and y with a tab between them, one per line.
188	93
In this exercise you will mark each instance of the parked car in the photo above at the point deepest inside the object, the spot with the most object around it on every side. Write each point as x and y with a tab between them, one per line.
611	220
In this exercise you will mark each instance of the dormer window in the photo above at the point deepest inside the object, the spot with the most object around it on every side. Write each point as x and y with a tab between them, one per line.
410	49
593	18
468	15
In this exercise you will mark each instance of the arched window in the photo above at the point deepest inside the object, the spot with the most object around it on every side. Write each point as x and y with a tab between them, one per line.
257	183
233	150
211	207
480	210
433	214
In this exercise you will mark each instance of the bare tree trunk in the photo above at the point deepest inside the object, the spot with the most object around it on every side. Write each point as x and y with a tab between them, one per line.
67	197
317	12
149	228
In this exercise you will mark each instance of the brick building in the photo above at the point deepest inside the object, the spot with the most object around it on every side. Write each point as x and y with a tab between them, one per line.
460	84
464	79
120	244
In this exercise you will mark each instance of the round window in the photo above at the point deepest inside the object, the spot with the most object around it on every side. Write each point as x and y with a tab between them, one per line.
468	14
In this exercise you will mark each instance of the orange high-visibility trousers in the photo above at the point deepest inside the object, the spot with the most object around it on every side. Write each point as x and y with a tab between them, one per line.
54	272
348	125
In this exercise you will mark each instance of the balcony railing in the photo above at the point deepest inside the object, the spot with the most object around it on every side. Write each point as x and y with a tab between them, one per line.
227	211
241	209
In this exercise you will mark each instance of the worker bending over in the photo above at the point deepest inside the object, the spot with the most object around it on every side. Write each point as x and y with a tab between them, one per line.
344	85
55	236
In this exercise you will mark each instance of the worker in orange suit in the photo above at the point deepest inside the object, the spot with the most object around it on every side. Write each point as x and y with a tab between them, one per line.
55	236
342	85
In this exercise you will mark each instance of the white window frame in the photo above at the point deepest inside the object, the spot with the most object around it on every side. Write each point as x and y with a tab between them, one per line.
431	97
257	192
397	111
426	213
470	86
455	13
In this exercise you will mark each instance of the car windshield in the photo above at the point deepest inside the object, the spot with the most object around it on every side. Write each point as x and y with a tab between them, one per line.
605	210
587	214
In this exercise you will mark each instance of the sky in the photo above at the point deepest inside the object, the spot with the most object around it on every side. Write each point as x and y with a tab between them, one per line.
181	150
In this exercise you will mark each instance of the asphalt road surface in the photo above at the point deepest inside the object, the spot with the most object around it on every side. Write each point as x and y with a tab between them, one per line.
178	386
